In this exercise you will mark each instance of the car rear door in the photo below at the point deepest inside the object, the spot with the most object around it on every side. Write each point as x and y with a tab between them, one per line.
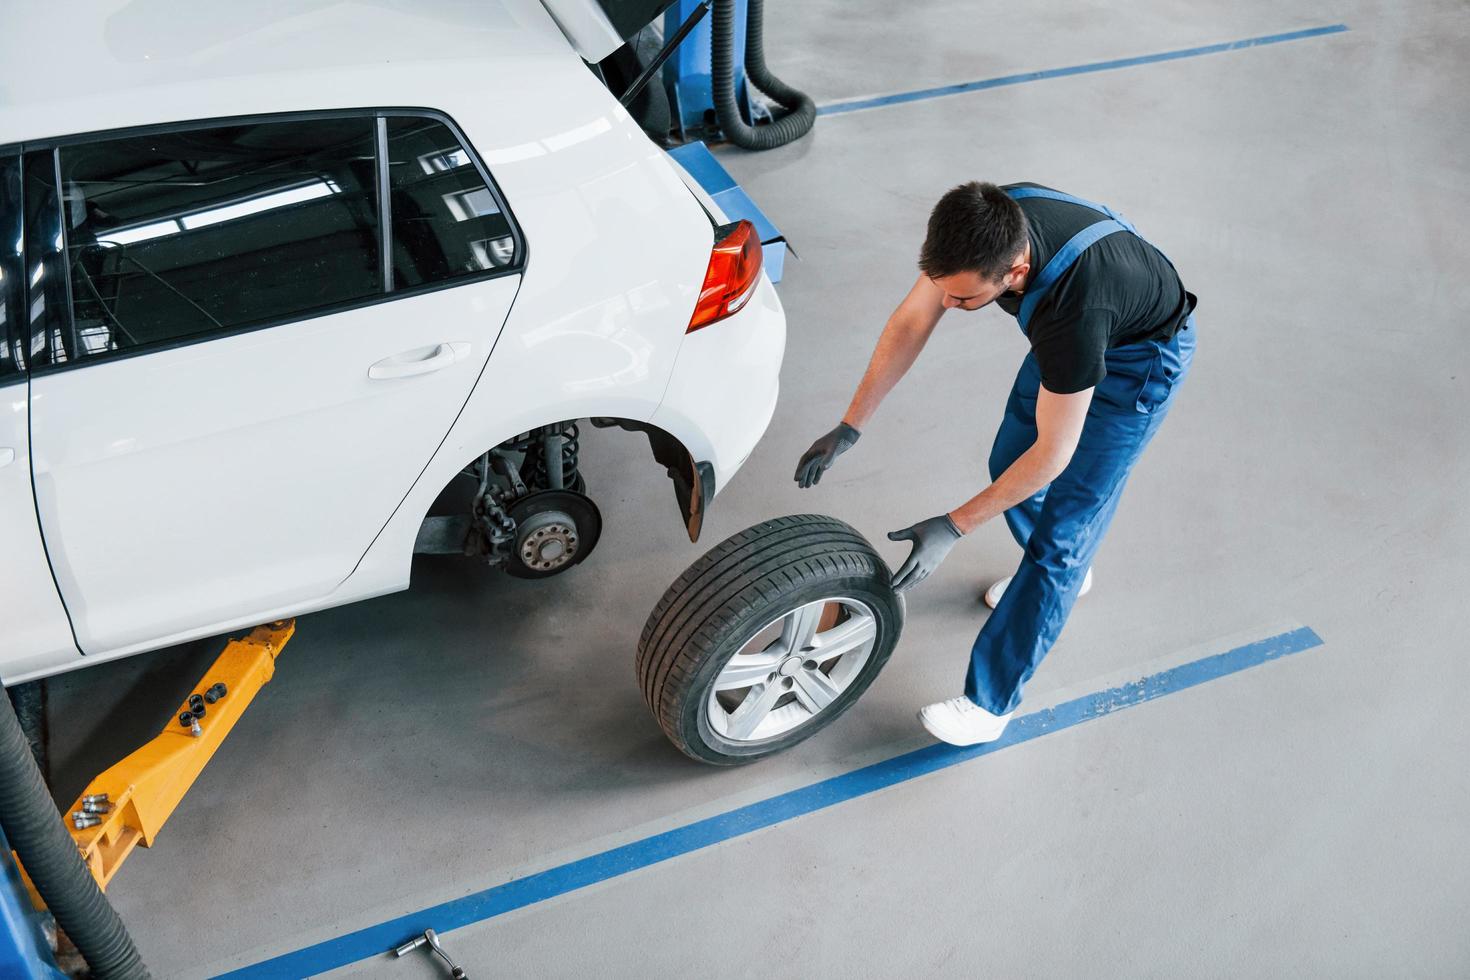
246	365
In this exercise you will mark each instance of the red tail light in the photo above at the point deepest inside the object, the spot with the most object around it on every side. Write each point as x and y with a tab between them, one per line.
734	271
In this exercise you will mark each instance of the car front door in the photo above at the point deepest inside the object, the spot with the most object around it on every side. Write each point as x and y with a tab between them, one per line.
257	357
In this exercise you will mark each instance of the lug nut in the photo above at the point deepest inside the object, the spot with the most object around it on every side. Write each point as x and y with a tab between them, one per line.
211	696
220	690
82	821
186	718
96	807
195	700
198	711
95	798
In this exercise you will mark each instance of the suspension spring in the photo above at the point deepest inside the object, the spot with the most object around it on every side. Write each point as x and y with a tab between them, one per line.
537	473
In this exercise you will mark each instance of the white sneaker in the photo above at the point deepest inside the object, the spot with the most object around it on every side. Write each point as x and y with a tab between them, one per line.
993	594
960	721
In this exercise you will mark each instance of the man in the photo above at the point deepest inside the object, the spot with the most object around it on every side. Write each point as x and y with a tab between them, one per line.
1112	336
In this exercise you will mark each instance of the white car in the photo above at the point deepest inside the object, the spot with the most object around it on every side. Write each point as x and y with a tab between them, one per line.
270	284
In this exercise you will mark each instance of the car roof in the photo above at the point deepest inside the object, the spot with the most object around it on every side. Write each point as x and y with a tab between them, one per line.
91	65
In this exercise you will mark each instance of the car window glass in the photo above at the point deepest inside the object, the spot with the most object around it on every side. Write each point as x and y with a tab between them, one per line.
446	221
12	262
180	234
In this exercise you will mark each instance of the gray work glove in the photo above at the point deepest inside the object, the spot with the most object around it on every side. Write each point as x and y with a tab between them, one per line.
824	452
932	540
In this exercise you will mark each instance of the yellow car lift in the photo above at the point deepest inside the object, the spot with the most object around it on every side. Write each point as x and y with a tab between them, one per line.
129	803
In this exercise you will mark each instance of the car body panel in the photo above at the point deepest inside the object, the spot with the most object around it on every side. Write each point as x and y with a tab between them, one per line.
586	27
723	391
618	250
93	65
34	623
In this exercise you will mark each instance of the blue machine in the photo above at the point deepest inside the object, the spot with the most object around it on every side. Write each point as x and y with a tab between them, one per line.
24	949
688	76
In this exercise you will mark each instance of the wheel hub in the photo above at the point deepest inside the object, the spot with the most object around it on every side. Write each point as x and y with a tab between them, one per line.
549	541
555	529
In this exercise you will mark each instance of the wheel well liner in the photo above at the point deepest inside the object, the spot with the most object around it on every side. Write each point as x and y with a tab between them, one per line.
694	480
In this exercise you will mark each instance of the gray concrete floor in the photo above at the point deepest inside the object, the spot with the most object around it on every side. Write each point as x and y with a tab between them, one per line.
1305	818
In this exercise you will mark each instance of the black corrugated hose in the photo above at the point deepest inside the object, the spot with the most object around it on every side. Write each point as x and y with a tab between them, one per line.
801	112
51	859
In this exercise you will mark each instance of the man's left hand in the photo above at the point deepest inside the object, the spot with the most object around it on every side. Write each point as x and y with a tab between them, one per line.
932	541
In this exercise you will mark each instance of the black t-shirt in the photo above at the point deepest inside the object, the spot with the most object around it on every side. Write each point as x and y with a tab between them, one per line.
1121	290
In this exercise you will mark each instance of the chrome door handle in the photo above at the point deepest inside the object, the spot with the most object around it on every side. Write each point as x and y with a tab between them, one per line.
421	360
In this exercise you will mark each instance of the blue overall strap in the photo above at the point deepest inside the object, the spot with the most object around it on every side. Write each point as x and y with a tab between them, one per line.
1061	262
1016	193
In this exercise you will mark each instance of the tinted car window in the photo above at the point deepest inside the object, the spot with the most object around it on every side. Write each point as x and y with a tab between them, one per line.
12	262
179	234
446	222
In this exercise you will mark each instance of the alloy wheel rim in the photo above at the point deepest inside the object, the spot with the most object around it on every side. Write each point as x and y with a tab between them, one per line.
789	672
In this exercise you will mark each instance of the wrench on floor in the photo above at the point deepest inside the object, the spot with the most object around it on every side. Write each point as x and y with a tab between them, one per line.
431	938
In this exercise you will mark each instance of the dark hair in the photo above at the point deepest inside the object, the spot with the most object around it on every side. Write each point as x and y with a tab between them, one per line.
975	227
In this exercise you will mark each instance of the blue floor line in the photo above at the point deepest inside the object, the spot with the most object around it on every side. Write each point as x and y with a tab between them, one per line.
378	939
857	105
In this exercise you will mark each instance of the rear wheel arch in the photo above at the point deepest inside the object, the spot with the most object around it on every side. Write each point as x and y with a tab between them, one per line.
693	479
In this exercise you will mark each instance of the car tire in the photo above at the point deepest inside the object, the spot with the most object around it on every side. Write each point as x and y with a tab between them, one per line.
755	596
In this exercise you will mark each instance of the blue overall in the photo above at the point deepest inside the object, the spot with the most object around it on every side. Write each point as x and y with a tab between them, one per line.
1060	527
